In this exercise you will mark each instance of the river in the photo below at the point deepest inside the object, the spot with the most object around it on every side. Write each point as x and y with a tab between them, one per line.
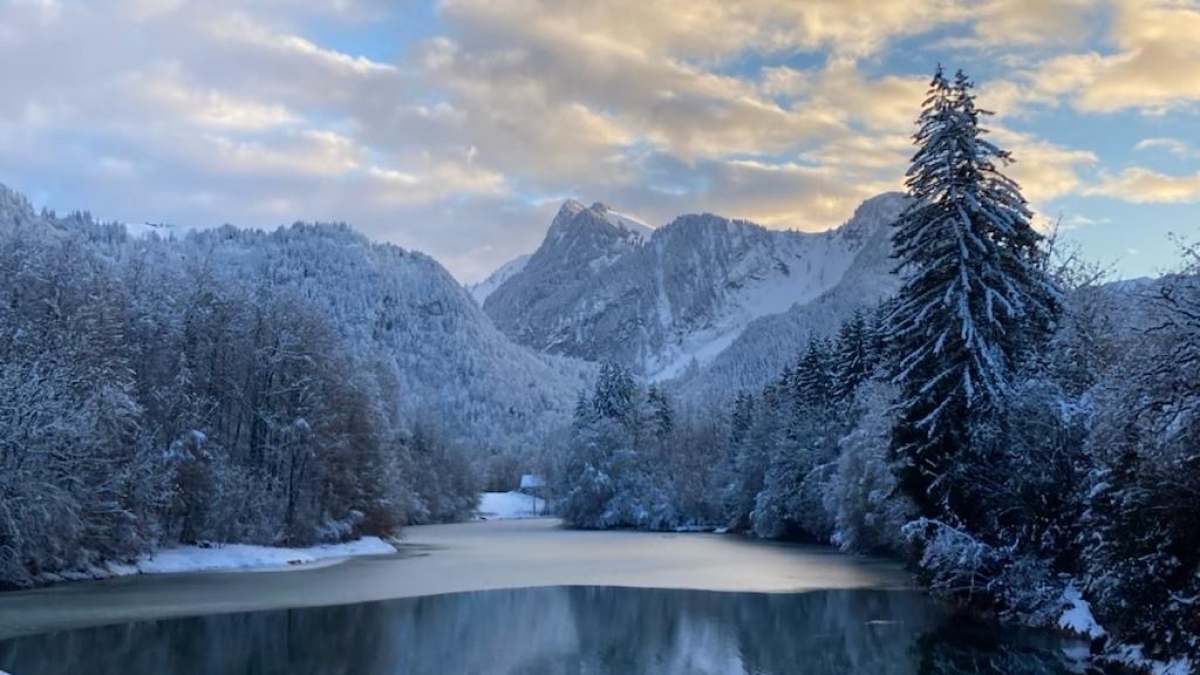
506	597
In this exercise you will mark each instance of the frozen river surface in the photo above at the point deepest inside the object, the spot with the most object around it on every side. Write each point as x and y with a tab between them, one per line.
512	597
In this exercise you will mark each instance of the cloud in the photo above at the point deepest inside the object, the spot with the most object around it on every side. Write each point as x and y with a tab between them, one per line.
787	113
1154	68
164	89
1146	186
1173	146
1045	170
708	29
1001	24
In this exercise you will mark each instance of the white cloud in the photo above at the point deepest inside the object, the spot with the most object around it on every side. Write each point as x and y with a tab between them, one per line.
1146	186
1173	146
1045	170
204	107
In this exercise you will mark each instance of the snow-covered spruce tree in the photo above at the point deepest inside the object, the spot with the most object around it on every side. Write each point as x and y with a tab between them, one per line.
853	360
660	415
812	380
741	472
607	478
974	301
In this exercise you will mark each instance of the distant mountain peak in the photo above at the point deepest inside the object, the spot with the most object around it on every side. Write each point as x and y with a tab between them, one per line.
569	208
622	220
871	216
595	290
575	219
480	291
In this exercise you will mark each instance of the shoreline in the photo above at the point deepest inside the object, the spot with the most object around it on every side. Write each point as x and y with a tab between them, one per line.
221	558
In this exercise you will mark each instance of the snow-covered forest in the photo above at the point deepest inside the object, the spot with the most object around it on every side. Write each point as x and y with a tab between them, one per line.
1024	434
153	391
1020	430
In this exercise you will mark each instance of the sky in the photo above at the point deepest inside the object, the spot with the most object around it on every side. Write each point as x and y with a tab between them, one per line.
457	127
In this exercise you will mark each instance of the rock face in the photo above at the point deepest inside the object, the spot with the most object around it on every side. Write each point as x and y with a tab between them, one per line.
668	302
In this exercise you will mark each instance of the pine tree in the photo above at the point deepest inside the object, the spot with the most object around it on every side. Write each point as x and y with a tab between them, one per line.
584	410
813	376
974	298
660	413
853	360
616	393
742	418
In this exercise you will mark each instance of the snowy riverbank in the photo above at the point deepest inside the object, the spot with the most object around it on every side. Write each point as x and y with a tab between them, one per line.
228	557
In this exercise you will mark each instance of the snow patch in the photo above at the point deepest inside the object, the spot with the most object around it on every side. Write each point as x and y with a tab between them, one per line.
246	556
1078	618
625	221
166	231
510	506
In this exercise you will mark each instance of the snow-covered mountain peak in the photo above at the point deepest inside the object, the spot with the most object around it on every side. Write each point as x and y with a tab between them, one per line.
623	221
598	222
569	208
871	216
661	300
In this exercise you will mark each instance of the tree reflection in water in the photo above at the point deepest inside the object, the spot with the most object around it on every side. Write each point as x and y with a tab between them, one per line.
561	630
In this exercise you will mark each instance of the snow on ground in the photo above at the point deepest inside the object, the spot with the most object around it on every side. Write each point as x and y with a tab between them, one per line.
509	506
246	556
226	557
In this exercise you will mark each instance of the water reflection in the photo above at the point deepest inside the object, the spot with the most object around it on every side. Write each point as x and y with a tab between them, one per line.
547	631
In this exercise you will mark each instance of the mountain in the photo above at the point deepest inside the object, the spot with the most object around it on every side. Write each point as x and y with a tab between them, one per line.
582	242
480	291
668	301
769	343
403	313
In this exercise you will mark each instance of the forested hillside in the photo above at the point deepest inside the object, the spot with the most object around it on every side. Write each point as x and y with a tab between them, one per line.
298	386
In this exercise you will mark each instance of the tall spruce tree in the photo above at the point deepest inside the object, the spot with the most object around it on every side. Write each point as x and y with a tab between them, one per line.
813	379
852	357
974	299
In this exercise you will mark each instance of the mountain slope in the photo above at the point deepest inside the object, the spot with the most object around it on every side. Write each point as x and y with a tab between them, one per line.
677	299
772	342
